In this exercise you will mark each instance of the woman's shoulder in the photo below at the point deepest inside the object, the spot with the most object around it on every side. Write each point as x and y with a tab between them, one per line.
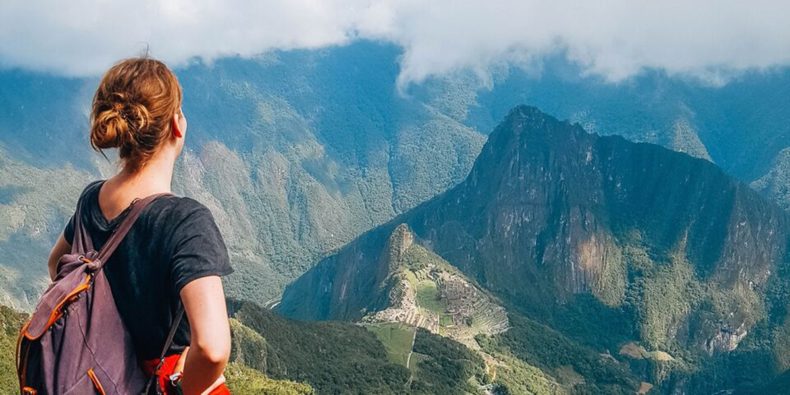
182	205
186	224
176	210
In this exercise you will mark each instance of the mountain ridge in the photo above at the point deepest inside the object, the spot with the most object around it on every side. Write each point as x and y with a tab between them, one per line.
681	256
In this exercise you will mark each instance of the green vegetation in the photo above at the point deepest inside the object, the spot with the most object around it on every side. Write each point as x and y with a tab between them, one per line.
10	324
426	291
776	183
448	367
245	380
33	212
338	357
611	287
633	244
397	339
782	346
543	349
438	365
309	149
428	297
333	357
667	298
514	376
295	156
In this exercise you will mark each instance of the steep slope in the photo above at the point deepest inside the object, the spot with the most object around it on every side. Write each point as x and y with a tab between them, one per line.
569	227
775	185
30	202
339	357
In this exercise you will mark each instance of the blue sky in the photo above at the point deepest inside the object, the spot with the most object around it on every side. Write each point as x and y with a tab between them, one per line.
709	39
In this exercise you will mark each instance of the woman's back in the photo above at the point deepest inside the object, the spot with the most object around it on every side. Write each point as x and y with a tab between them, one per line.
174	241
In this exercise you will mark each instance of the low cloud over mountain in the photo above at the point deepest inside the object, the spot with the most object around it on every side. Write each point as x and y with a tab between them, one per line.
708	39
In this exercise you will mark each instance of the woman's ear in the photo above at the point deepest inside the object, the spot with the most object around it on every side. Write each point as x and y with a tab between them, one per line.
177	132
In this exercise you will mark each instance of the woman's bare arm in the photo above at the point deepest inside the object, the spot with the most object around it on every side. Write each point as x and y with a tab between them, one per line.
60	248
209	349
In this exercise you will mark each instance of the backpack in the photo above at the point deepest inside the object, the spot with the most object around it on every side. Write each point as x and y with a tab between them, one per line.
75	341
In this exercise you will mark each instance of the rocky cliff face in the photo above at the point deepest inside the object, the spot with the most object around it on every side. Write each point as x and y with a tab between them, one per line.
685	255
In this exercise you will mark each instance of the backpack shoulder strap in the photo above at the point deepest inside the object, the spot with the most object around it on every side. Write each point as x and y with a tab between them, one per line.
170	336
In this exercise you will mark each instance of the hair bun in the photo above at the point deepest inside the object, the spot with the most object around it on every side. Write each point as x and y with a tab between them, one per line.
118	122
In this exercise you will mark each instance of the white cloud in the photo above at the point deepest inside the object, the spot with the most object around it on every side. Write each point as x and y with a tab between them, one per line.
613	39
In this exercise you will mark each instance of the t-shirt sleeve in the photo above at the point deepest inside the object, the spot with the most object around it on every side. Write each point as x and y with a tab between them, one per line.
198	248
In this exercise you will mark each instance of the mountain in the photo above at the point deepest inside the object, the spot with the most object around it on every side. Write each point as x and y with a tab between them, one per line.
298	152
660	261
739	124
423	290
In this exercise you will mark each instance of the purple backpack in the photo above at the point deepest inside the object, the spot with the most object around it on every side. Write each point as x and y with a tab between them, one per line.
75	342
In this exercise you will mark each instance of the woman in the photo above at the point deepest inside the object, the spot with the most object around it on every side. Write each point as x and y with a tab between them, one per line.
174	252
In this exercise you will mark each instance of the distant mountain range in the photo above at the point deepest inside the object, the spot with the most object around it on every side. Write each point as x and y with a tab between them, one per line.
672	270
299	152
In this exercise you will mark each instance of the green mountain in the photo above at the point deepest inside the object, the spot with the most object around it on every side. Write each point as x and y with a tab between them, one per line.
652	260
423	290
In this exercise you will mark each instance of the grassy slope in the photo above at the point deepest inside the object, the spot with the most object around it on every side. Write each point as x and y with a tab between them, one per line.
337	357
10	323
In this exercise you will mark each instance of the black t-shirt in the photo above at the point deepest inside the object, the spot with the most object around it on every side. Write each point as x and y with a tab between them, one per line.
174	241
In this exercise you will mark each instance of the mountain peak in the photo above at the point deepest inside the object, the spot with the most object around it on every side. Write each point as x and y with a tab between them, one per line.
530	119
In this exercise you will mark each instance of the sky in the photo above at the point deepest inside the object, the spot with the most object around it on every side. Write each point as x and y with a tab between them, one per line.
712	40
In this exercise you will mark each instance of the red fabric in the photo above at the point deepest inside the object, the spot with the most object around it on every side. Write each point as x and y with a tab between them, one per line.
167	369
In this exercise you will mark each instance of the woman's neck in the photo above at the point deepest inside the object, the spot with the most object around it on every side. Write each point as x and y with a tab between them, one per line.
155	177
120	190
